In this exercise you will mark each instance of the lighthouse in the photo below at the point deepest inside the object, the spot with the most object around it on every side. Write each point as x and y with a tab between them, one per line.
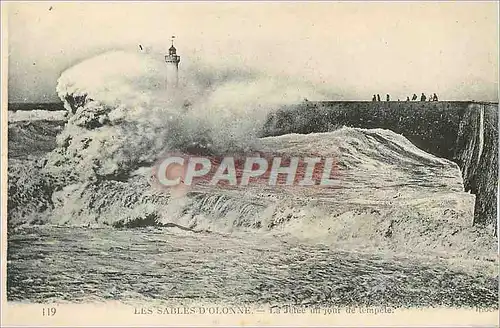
172	60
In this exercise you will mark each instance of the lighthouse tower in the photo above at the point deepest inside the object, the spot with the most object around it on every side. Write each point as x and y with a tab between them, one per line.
172	60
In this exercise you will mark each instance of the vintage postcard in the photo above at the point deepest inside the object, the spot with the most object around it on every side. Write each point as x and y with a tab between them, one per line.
250	164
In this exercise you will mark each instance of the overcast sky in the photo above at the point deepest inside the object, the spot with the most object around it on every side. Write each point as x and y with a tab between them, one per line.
356	49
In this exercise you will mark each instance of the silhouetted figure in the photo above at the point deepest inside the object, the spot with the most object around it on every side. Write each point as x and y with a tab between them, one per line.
374	98
435	97
387	97
414	97
407	98
423	97
378	97
399	100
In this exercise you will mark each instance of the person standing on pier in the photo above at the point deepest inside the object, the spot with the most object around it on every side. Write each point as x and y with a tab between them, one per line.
414	97
423	97
387	97
374	98
378	97
435	97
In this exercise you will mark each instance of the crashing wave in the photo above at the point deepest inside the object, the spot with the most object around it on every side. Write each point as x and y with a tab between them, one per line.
122	116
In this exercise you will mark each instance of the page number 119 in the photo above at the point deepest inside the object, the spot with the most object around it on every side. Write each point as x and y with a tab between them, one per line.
49	312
